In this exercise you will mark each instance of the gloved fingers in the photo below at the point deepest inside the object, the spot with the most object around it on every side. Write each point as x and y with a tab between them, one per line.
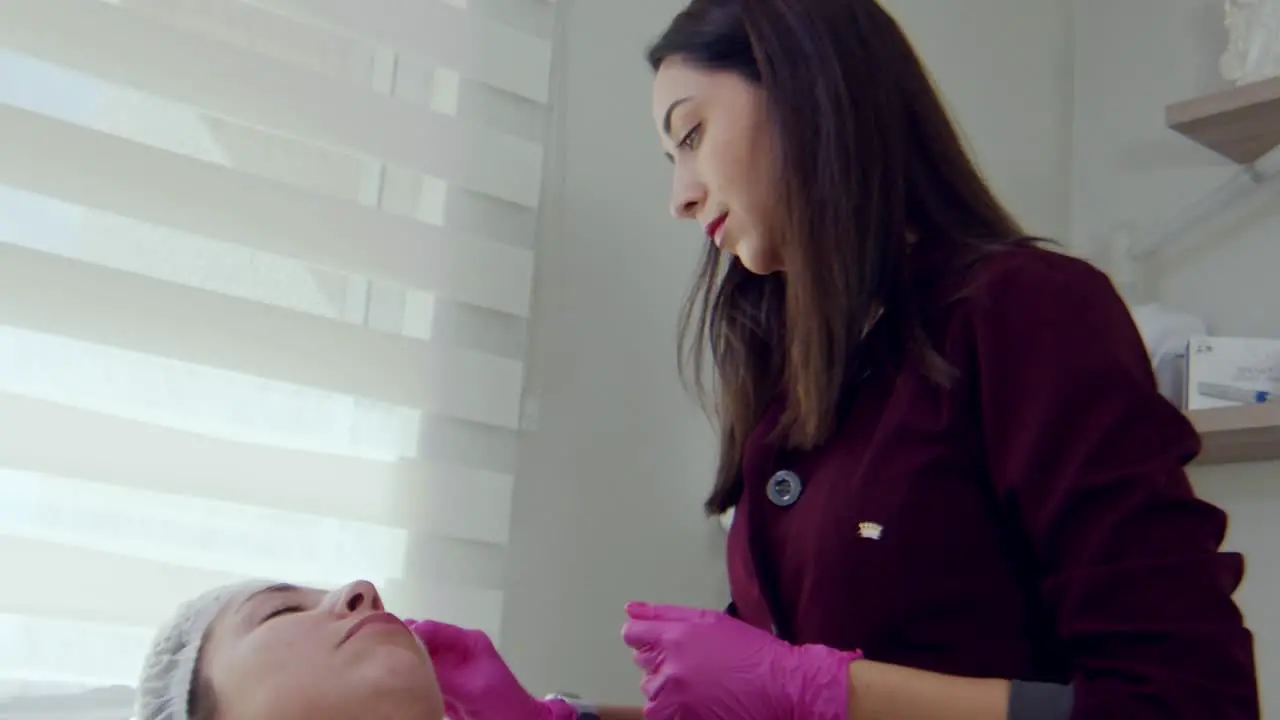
647	658
660	710
650	611
652	684
437	632
453	710
442	638
641	634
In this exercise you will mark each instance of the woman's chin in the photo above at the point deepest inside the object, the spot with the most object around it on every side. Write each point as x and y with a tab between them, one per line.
755	261
412	681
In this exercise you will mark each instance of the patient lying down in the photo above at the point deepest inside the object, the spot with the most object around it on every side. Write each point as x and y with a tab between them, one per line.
262	651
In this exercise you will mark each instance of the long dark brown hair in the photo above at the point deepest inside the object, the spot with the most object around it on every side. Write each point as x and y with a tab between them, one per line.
868	158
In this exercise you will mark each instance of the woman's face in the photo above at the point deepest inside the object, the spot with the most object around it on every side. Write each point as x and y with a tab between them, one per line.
714	127
293	653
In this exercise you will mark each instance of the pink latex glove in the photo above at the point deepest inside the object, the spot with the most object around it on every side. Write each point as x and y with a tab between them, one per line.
475	680
705	665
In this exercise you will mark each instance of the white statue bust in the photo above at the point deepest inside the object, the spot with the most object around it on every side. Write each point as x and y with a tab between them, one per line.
1253	41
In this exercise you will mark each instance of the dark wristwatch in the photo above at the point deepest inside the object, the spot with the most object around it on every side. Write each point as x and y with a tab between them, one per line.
586	711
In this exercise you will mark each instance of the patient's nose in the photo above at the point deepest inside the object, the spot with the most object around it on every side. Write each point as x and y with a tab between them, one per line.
358	597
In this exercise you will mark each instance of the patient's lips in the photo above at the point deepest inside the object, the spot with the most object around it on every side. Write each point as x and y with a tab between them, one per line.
373	621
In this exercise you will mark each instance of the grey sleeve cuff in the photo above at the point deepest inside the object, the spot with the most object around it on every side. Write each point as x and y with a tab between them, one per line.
1040	701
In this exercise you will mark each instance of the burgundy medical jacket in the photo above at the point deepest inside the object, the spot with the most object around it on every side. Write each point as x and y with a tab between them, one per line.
1032	520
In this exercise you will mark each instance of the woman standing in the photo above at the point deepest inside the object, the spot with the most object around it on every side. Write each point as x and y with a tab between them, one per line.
958	493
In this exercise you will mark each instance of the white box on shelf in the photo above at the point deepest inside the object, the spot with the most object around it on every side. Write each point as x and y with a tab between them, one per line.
1240	364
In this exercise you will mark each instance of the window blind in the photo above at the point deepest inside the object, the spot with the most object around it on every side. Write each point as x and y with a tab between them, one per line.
265	271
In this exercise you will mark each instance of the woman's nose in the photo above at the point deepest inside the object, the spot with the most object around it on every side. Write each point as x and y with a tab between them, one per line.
687	196
684	209
358	597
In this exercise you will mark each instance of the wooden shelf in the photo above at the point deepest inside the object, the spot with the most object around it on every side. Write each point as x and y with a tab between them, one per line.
1242	123
1241	433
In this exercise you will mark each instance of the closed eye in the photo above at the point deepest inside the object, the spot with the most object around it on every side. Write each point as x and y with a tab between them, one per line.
286	610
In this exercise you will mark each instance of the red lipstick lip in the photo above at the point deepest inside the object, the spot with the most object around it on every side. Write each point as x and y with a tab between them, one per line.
378	618
714	226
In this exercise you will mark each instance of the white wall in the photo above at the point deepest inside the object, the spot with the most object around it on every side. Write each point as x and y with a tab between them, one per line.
611	480
610	485
1132	59
1004	68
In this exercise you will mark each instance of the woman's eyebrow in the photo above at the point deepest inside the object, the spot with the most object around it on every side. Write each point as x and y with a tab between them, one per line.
666	118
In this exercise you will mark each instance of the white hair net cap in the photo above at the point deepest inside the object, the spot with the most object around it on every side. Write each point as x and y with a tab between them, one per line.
170	667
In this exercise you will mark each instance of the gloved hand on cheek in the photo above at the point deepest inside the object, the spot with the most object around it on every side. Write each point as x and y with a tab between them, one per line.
705	665
475	680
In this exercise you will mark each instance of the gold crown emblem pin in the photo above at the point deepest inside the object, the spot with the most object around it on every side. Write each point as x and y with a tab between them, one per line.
870	530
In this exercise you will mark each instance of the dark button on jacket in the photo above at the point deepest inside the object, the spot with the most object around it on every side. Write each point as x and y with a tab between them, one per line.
1031	521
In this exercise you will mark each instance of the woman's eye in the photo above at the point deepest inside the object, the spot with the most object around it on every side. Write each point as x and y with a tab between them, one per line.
690	140
287	610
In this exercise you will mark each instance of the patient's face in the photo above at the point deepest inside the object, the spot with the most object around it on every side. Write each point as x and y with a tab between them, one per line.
291	653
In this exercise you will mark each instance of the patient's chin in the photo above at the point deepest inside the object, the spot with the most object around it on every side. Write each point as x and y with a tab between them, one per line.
429	688
420	702
433	706
424	702
406	678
